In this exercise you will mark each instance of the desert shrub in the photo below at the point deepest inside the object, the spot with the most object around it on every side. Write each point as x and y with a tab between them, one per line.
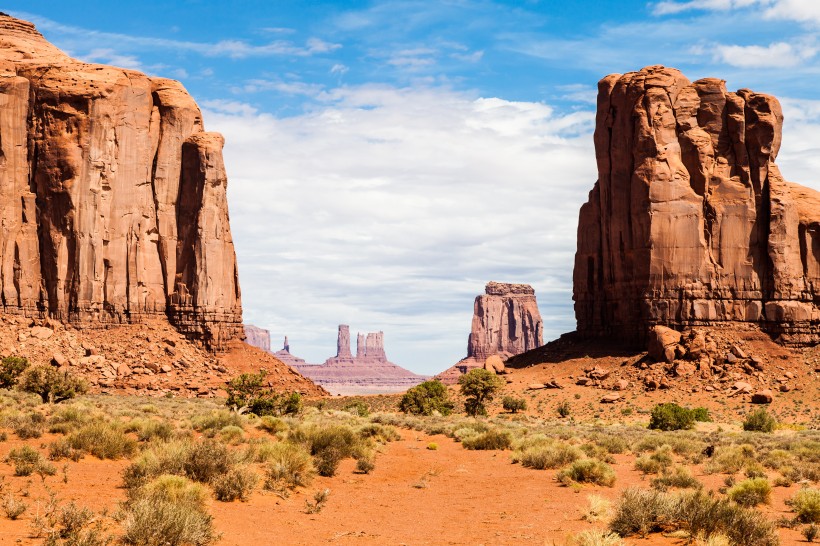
547	455
11	368
679	477
596	537
427	398
759	421
150	429
587	471
51	384
249	391
479	387
12	507
655	462
61	449
810	532
163	458
380	433
806	504
328	444
594	451
25	459
432	446
642	511
490	439
365	464
319	501
237	483
231	434
701	415
68	418
513	404
29	425
206	461
103	440
776	459
215	421
806	471
272	424
598	508
289	466
612	444
169	511
671	416
564	409
358	408
729	459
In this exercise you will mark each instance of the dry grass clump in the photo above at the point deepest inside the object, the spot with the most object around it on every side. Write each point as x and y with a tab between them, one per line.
598	509
659	460
679	477
102	440
210	424
28	425
806	504
587	471
288	466
751	492
236	484
544	455
596	537
488	440
168	511
329	444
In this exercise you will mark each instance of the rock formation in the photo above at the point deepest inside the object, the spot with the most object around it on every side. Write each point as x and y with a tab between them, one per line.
368	372
690	221
285	356
258	337
113	197
506	322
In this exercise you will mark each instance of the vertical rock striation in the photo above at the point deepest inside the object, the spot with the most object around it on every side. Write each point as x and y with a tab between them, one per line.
113	196
258	337
690	221
506	321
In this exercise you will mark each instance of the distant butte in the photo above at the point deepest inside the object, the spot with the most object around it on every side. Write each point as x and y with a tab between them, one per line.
690	222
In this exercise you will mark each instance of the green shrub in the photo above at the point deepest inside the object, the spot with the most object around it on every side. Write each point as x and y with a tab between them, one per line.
329	444
358	408
427	398
671	417
701	415
160	459
491	439
806	504
237	483
51	384
432	446
679	477
250	392
548	455
564	409
11	368
102	440
513	404
289	466
759	421
479	386
25	459
588	471
272	424
169	511
231	434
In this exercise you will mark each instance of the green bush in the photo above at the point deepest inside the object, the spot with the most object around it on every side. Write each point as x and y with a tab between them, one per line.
329	444
491	439
51	384
751	492
806	504
11	368
478	386
169	511
759	421
249	391
427	398
671	416
588	471
701	415
358	408
102	440
513	404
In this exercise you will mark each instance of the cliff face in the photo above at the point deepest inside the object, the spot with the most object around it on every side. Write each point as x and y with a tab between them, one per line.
690	221
258	337
113	196
506	321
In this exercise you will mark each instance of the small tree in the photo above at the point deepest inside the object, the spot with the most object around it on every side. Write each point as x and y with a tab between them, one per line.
513	404
249	392
51	384
11	368
671	417
759	421
427	398
479	386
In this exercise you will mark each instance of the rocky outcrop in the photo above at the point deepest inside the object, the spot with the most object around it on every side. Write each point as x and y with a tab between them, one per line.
368	372
690	222
285	356
258	337
113	197
506	322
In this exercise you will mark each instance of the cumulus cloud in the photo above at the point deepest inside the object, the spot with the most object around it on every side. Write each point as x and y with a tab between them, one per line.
805	11
779	54
389	209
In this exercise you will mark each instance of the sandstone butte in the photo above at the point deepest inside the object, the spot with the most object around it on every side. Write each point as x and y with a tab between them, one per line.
690	222
113	196
506	322
368	371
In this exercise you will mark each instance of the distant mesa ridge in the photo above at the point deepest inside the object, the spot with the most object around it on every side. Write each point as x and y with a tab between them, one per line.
113	196
690	221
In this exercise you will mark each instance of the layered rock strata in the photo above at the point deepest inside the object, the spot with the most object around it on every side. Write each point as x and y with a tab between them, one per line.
368	372
690	221
506	322
113	196
258	337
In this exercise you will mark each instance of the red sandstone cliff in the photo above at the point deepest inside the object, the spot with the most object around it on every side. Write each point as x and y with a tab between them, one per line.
690	221
113	196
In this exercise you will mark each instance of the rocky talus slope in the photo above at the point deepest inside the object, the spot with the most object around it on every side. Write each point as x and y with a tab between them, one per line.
112	196
690	222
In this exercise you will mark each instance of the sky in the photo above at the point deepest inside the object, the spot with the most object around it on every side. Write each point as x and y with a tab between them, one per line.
388	158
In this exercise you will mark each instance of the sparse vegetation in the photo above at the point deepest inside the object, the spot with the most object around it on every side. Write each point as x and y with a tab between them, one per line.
806	504
759	421
588	471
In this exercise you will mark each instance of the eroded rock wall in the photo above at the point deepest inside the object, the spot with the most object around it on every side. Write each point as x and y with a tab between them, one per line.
506	321
690	221
113	197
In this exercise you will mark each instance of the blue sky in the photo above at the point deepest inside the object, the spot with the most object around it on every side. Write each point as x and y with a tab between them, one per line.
388	158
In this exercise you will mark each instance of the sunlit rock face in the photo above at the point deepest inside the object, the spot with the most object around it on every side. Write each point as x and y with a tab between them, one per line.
690	221
113	196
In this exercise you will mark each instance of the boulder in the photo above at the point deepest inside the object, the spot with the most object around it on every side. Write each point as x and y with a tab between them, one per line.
762	397
610	398
494	364
662	343
41	332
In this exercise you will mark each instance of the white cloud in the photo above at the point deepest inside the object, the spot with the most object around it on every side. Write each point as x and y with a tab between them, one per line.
776	55
339	69
109	56
804	11
671	7
390	209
